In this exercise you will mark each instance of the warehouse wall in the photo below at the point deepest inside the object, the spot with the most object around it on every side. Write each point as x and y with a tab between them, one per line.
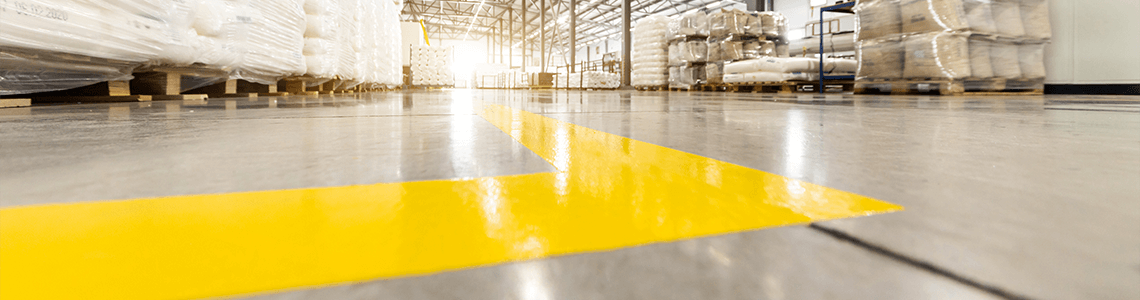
597	49
1094	41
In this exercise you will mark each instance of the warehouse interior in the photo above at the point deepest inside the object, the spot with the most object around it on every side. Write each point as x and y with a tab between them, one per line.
569	149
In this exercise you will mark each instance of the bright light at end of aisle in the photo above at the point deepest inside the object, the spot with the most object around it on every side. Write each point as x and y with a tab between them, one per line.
465	60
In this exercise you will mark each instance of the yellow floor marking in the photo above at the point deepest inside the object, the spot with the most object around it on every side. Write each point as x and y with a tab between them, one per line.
609	192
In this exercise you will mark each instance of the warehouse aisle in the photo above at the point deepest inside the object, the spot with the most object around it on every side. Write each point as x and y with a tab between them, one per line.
575	195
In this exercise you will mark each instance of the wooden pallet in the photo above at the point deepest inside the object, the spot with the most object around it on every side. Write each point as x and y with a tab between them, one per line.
107	91
951	87
715	87
845	86
18	102
653	88
236	88
781	87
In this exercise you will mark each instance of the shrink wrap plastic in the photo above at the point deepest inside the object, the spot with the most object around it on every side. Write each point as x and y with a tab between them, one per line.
691	24
650	57
683	52
714	72
736	35
951	39
937	55
775	24
322	48
347	34
275	41
687	75
57	44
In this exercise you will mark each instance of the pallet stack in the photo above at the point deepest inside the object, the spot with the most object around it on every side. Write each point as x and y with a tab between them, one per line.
140	50
951	47
688	51
650	53
737	36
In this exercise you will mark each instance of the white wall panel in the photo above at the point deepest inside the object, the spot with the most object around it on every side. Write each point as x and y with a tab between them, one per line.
1105	41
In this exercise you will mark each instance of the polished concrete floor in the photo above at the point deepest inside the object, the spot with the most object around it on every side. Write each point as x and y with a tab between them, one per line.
1034	197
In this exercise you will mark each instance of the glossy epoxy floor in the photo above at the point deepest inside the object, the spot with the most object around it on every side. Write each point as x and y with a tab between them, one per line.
1032	197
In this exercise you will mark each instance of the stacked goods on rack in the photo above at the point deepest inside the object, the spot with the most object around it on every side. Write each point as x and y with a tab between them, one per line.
51	45
960	45
781	69
650	57
736	35
688	51
431	66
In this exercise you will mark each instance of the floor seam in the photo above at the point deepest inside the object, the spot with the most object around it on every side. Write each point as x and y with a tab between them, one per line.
918	263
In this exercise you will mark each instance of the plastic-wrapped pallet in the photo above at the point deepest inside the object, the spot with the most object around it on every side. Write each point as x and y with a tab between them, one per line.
775	24
714	72
347	34
1031	60
980	63
600	80
1004	57
880	59
1035	19
877	19
1007	18
693	23
46	44
920	16
728	22
275	41
937	55
431	65
390	48
650	52
322	47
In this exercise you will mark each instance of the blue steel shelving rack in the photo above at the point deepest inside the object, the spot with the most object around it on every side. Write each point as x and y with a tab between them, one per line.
848	8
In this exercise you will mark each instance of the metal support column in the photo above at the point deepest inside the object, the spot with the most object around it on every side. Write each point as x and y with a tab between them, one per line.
501	40
626	45
573	34
511	39
542	35
524	43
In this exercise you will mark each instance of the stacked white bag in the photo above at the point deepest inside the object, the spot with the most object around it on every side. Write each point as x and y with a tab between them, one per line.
322	46
600	80
650	52
431	65
778	69
275	41
47	44
41	39
952	39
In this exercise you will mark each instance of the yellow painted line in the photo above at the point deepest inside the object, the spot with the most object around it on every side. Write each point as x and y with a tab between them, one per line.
609	192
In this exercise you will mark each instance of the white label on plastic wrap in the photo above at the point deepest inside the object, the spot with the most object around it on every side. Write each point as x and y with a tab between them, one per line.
920	54
32	9
243	19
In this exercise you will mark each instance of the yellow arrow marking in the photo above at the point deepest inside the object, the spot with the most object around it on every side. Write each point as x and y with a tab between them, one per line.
609	192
